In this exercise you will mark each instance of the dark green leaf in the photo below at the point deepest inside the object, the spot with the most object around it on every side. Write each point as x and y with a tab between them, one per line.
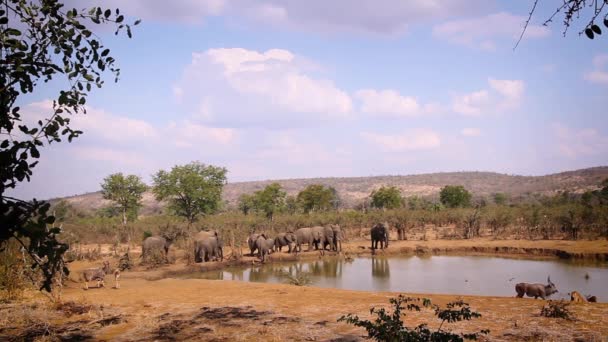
3	20
34	152
107	13
105	52
596	29
137	22
120	19
606	22
589	33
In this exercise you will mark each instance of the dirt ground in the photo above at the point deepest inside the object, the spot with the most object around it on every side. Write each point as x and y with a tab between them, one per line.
217	310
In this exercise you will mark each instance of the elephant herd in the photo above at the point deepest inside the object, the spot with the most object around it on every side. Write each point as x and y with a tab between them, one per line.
318	237
208	245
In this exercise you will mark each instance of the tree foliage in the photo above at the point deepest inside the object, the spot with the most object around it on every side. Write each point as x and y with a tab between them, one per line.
454	196
246	203
389	326
193	189
42	41
594	14
386	198
317	197
269	200
125	191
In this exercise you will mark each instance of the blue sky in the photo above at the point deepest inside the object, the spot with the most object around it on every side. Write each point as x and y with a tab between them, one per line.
289	89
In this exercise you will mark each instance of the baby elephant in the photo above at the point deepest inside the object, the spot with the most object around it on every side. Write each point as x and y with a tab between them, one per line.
98	274
264	246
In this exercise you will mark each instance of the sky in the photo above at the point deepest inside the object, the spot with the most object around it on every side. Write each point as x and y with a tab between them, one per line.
275	89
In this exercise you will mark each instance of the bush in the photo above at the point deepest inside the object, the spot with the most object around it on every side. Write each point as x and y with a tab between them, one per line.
557	309
390	327
298	279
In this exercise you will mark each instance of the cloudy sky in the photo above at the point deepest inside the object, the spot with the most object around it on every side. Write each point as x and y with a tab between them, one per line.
288	88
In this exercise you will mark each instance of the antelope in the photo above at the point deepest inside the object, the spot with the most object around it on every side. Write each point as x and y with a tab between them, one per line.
98	274
536	290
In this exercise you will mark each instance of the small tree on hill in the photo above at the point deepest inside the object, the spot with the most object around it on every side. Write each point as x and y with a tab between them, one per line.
500	198
193	189
386	198
317	197
454	196
125	191
270	200
246	203
291	205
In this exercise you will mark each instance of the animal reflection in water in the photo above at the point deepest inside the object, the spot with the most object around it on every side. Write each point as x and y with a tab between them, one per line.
380	268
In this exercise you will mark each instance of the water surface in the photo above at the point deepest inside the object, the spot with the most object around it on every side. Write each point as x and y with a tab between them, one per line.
466	275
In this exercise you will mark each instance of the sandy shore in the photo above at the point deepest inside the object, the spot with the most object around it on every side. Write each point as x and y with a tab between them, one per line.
195	309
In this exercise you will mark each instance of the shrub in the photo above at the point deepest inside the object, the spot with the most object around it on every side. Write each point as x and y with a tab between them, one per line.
390	327
298	279
557	309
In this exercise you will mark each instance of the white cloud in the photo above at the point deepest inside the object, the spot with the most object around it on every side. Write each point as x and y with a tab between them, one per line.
471	104
365	16
502	95
419	139
96	123
470	132
574	143
244	86
388	102
188	134
483	32
600	72
105	154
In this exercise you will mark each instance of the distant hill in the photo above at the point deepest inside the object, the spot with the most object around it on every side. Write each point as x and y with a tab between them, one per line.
354	190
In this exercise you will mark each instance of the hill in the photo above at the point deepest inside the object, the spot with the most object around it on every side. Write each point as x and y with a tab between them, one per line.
354	190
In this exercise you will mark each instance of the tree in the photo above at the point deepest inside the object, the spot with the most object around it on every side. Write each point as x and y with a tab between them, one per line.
246	203
125	191
41	41
386	198
500	198
270	200
291	204
453	196
594	10
193	189
317	197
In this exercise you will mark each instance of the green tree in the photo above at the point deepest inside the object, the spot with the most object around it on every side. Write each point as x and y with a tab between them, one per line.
291	204
125	191
41	41
454	196
193	189
500	198
317	197
270	200
386	198
246	203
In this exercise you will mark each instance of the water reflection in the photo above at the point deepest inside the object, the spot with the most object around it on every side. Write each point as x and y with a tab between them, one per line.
472	275
380	268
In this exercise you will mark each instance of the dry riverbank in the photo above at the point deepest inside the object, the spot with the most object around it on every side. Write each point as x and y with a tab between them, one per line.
195	309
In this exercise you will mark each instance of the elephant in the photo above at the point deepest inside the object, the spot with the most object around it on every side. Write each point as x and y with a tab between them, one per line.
327	238
264	246
208	248
251	242
285	239
379	233
311	236
158	245
337	237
